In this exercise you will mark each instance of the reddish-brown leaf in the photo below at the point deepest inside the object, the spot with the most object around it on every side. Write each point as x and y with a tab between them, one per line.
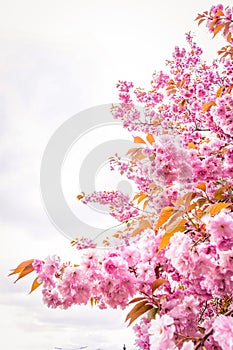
201	20
134	300
199	16
157	283
229	37
226	29
138	310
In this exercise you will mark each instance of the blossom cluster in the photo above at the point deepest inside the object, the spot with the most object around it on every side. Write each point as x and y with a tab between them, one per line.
119	203
198	288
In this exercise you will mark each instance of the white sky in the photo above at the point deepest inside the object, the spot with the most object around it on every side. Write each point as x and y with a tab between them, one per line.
58	58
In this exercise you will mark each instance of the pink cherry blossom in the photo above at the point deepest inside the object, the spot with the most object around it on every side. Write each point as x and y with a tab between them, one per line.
162	330
223	331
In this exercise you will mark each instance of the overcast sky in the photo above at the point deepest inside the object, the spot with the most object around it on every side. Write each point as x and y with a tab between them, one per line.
57	59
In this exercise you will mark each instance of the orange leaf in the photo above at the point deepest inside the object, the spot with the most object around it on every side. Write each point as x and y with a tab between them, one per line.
80	196
137	195
219	13
165	214
170	231
138	139
191	145
219	91
212	24
157	283
182	82
21	266
150	138
35	285
218	28
214	209
182	103
202	186
207	106
191	207
142	197
171	87
28	269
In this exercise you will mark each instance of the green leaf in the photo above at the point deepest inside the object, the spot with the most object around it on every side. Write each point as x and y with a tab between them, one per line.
152	313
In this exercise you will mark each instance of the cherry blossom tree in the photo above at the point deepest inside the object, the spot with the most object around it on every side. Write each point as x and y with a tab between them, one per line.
173	258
